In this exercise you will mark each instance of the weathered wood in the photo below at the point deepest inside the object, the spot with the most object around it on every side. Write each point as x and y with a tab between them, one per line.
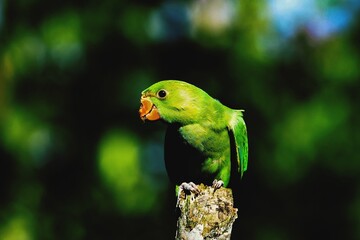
207	215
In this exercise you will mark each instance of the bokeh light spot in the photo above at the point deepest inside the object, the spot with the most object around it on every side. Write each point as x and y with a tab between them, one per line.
119	165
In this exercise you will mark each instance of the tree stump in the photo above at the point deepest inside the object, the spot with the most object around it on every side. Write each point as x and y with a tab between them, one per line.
207	215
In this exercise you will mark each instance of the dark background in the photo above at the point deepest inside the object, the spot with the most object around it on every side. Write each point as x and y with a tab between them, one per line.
76	162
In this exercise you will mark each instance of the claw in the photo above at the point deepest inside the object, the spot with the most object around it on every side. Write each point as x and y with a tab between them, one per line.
217	184
191	187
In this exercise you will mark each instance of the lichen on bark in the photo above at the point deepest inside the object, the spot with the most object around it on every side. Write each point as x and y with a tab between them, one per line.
207	215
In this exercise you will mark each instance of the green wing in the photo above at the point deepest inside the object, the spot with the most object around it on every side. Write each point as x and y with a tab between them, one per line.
241	144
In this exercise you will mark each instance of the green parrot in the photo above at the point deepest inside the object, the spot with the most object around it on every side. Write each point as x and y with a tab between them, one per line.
205	142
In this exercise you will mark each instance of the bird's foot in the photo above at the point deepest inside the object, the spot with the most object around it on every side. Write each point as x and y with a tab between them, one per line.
217	184
191	187
186	187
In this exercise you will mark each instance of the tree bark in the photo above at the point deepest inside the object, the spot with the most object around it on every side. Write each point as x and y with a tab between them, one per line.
207	215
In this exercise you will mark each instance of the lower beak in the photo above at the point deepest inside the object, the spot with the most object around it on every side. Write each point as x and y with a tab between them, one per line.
148	111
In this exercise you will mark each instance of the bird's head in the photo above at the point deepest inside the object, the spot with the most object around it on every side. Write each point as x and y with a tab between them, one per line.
172	101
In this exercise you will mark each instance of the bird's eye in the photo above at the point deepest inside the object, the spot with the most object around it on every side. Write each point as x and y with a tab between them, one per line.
162	93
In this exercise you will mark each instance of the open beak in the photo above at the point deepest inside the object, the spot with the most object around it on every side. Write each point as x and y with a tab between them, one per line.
148	111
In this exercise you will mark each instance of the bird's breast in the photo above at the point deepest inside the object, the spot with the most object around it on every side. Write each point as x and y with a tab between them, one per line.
205	139
194	153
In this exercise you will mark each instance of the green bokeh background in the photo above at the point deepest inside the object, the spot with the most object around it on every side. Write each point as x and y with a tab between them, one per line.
76	162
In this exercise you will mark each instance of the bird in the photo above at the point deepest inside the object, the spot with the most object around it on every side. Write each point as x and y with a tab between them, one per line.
205	141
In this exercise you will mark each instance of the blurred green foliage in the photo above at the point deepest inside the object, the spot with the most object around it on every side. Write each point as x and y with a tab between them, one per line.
119	164
76	162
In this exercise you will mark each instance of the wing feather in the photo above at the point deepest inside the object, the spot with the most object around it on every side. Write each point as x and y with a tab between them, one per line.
238	129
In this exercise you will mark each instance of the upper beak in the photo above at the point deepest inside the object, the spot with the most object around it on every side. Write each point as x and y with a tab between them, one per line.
148	111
